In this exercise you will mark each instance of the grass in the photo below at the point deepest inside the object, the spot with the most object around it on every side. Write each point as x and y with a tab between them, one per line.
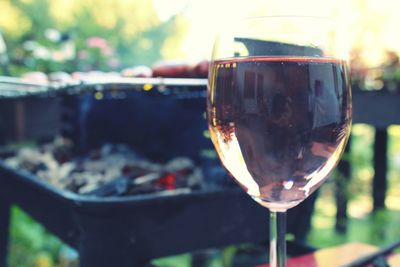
378	228
30	244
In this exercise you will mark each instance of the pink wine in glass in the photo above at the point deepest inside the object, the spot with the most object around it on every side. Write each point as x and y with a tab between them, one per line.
279	124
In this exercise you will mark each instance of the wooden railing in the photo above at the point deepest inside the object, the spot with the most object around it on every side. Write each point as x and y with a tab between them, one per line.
380	109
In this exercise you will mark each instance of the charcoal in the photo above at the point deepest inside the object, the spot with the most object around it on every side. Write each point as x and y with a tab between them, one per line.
41	166
112	170
117	187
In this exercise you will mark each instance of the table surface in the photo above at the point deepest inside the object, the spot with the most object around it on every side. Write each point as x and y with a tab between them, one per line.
337	256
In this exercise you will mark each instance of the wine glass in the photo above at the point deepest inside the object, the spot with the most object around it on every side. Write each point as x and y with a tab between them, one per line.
279	110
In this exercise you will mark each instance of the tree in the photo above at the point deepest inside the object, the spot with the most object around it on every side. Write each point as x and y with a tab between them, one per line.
131	28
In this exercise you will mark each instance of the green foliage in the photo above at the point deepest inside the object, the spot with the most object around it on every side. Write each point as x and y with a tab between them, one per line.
377	229
181	260
131	29
30	242
361	161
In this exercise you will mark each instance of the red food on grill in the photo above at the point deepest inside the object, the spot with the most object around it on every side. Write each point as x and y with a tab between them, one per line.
173	69
181	69
201	69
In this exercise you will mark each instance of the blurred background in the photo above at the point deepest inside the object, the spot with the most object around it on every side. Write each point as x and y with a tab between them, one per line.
100	35
73	35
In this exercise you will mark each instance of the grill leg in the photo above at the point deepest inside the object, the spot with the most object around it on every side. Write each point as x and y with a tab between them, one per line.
4	225
101	247
103	254
380	164
344	168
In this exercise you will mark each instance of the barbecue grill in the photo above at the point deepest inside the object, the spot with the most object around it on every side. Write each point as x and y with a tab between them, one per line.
164	121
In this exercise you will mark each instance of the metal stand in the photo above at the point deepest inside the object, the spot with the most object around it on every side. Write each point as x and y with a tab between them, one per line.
101	247
344	169
379	186
4	226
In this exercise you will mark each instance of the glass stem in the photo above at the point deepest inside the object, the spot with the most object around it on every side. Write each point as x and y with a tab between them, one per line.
277	233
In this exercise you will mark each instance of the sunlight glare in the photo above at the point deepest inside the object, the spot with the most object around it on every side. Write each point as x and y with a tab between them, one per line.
370	26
